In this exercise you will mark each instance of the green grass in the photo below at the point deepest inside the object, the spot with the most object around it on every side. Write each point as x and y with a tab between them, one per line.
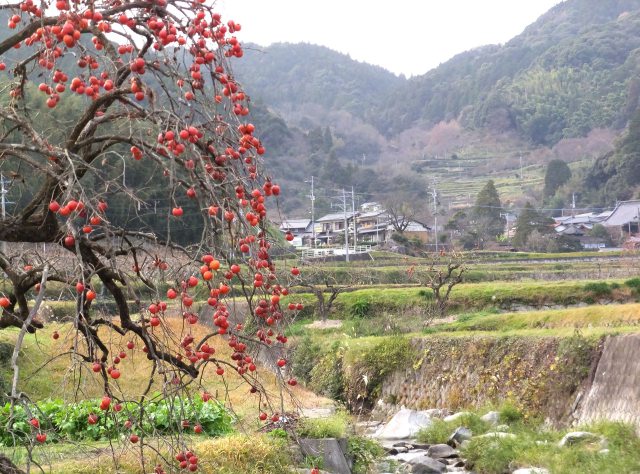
595	320
535	445
388	273
61	455
334	426
538	448
586	318
497	256
440	431
392	269
561	332
405	300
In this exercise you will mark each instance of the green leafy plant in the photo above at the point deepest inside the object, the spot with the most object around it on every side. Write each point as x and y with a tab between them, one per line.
327	376
509	414
278	433
598	289
360	308
305	358
365	453
71	421
634	284
426	294
436	433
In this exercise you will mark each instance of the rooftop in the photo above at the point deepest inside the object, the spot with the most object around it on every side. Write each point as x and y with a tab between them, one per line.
366	215
295	223
585	218
625	212
337	216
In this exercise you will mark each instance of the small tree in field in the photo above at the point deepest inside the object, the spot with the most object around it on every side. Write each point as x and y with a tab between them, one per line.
325	287
443	273
137	179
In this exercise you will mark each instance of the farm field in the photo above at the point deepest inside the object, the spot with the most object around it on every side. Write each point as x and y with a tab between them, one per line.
370	329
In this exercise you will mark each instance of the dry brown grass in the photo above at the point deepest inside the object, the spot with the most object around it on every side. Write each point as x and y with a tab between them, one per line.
50	370
236	453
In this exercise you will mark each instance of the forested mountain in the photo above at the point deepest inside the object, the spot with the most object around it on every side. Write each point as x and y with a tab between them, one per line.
289	76
616	175
560	90
567	73
573	71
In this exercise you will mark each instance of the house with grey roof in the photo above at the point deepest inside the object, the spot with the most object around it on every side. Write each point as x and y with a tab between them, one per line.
333	225
301	229
625	218
579	227
373	225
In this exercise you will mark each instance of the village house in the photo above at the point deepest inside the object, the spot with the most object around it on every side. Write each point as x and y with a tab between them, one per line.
417	230
580	226
300	229
332	226
372	224
625	219
580	222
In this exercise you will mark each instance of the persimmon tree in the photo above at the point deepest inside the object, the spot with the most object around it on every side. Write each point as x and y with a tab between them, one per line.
441	273
325	286
89	89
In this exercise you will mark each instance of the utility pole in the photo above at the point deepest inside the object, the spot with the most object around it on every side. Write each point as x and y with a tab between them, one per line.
435	214
507	228
3	200
313	215
573	205
346	229
521	175
353	211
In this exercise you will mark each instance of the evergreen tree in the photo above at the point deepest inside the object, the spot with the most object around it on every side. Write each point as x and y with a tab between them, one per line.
558	173
486	213
327	140
528	221
316	139
337	173
631	152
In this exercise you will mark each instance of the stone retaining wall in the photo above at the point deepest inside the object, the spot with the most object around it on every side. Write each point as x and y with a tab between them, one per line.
542	376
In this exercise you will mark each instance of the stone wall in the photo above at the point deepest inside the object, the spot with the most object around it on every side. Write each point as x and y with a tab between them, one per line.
542	376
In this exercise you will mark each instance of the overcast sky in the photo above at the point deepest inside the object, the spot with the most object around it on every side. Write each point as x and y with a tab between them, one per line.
403	36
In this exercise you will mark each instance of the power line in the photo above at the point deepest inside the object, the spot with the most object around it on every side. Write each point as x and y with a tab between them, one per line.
542	208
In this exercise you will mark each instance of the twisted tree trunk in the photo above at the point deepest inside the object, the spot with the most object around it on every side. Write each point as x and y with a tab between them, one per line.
7	467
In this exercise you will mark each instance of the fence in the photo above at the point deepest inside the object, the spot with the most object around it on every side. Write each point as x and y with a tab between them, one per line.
334	251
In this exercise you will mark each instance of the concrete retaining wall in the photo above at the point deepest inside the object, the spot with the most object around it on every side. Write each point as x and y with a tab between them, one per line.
614	393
